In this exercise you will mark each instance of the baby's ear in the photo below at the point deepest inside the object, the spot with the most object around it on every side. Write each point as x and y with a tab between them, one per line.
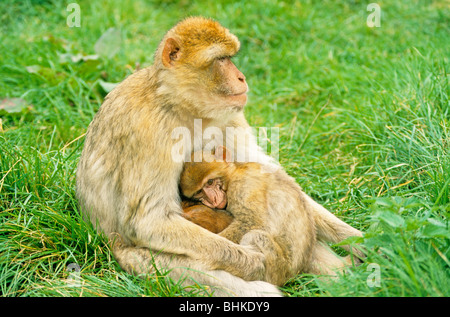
222	154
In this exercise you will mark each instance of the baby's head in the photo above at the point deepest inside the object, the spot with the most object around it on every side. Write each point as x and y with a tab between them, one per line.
207	180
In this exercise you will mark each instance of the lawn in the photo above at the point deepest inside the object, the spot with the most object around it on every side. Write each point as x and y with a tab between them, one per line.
363	116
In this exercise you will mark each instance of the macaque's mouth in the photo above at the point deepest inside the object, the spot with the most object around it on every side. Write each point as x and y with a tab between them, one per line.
234	96
239	94
230	94
239	99
222	204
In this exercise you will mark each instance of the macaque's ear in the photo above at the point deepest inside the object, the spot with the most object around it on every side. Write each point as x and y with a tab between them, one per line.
221	153
171	52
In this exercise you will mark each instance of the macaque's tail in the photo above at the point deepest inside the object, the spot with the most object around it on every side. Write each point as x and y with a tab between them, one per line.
141	261
331	229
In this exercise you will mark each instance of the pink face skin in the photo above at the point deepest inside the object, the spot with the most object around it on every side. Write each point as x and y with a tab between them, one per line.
232	85
212	194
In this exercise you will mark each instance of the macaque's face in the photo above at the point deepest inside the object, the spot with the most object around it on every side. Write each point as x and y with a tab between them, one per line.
230	85
212	194
198	69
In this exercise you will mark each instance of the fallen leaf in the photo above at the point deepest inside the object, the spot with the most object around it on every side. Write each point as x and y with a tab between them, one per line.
46	73
107	87
33	69
13	105
109	43
75	58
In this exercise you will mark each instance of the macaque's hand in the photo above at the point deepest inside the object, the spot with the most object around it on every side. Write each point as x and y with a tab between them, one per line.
211	219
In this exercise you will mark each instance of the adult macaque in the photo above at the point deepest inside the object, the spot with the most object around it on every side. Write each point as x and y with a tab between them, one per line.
274	213
127	178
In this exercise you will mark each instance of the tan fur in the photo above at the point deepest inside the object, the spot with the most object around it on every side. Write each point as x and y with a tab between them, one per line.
272	212
127	180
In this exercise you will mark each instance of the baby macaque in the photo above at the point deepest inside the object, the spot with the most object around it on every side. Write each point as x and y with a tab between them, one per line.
271	210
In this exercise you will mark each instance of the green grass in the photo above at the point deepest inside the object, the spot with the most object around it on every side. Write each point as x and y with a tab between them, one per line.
364	120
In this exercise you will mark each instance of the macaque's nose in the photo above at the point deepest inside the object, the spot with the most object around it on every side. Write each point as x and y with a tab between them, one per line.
241	77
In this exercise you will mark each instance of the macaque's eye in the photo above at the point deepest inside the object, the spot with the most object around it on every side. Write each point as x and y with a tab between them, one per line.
223	58
210	182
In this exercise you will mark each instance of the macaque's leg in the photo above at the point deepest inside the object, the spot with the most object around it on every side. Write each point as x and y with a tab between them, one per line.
141	261
332	229
326	262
